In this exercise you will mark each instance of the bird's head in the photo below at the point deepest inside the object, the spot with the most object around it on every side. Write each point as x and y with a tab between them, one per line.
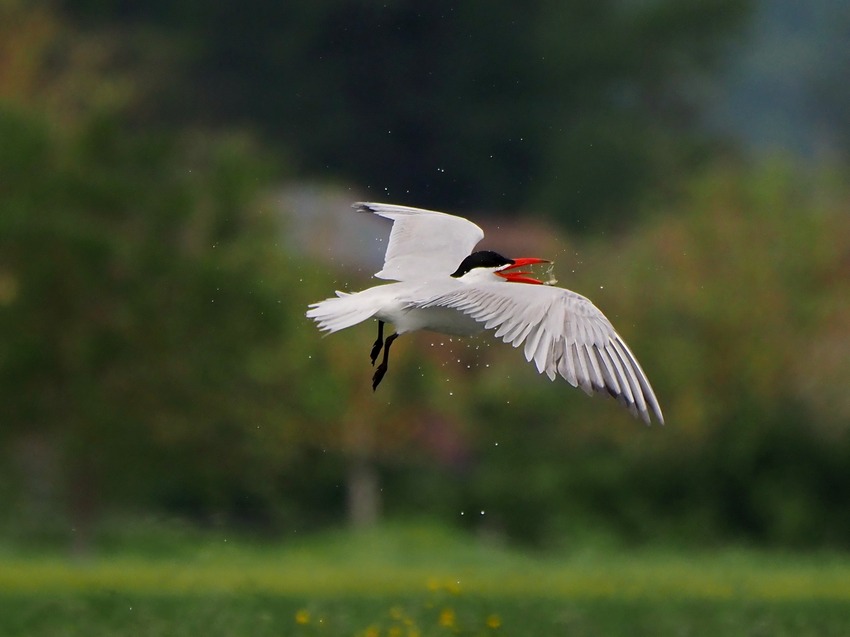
489	263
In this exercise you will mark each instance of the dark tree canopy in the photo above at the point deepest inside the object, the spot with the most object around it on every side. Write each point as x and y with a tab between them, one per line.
571	107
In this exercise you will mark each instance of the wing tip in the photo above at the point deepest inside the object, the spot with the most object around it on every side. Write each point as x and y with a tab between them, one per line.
646	416
659	416
645	412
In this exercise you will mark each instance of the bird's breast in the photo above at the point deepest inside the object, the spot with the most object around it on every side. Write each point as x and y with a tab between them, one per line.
435	319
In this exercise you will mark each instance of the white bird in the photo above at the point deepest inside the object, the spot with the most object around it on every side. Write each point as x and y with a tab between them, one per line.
444	287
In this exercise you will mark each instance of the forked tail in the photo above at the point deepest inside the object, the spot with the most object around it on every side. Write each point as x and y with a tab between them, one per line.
337	313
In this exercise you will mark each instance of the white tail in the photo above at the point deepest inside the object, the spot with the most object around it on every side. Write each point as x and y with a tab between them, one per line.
337	313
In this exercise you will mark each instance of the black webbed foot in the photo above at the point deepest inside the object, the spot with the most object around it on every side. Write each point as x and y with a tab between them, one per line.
382	368
378	376
376	348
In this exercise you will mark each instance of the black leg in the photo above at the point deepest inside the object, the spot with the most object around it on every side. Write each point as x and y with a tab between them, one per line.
379	343
382	368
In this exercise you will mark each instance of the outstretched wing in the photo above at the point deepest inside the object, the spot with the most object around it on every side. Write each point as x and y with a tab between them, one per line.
564	333
423	243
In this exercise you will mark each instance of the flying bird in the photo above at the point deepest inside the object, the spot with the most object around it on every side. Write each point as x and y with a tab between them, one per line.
443	286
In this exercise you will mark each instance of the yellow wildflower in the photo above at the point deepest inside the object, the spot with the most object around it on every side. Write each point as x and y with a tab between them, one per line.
372	631
302	617
494	621
447	618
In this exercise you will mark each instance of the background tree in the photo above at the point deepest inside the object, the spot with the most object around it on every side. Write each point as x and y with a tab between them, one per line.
134	288
139	295
467	105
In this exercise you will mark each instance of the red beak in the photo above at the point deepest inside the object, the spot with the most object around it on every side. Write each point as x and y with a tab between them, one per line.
520	277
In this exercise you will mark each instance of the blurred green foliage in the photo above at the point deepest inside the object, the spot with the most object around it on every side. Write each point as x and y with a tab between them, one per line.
155	357
571	107
140	293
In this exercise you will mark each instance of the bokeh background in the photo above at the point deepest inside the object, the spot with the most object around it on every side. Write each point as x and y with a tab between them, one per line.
175	183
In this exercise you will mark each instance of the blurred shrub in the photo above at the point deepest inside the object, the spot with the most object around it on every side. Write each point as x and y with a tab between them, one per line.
138	301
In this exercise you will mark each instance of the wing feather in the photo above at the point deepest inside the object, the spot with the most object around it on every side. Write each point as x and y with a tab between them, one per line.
637	391
567	368
608	370
596	377
622	378
542	351
532	342
423	243
552	359
646	390
584	378
515	332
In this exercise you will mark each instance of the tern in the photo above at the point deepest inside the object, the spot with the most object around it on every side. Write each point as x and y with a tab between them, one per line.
443	286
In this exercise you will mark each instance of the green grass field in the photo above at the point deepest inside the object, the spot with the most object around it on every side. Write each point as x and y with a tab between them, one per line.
409	581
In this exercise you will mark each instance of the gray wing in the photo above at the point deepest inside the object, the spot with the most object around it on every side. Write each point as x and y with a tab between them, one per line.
423	243
564	334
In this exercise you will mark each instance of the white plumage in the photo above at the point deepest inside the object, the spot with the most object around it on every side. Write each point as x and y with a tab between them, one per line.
423	243
442	288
